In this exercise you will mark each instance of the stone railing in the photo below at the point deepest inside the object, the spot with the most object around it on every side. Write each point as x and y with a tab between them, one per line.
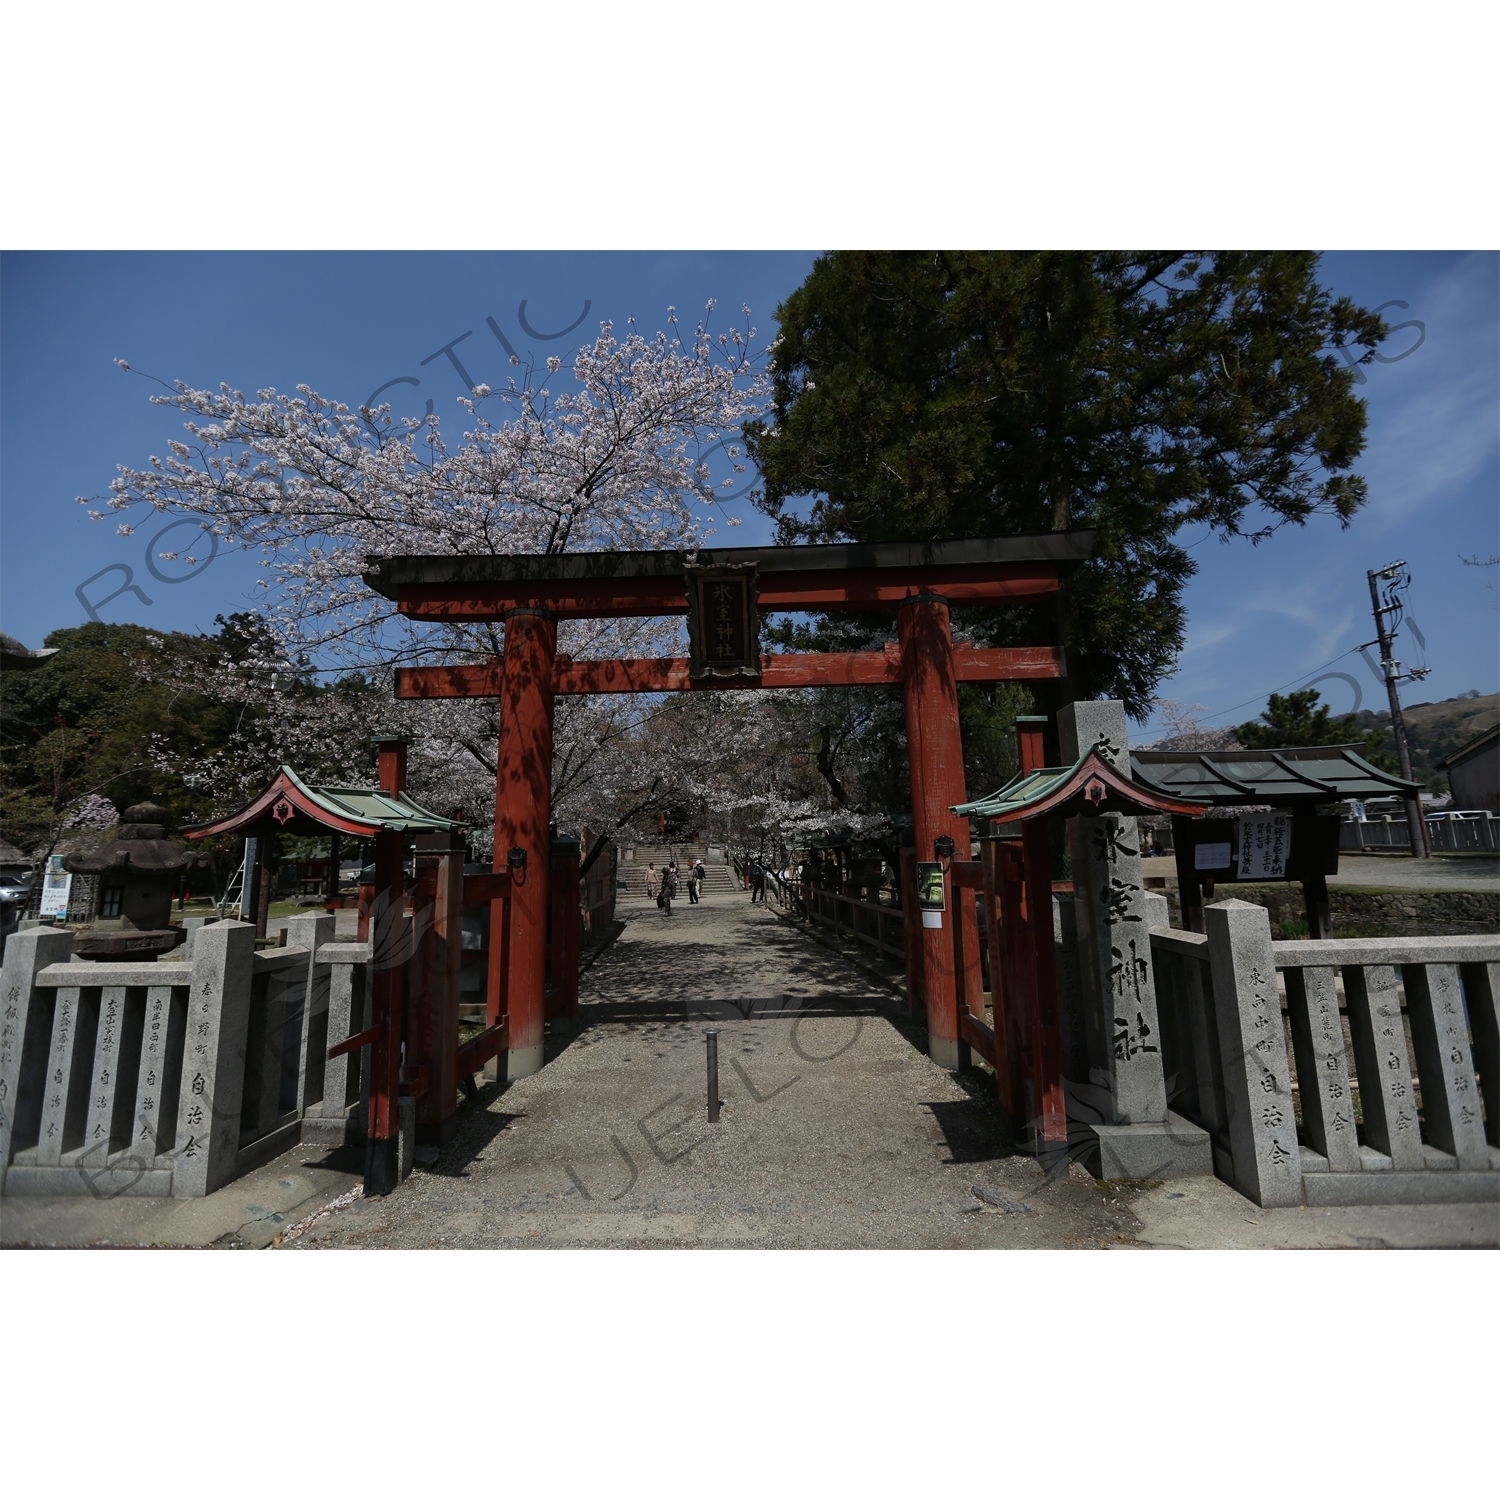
172	1078
1392	1064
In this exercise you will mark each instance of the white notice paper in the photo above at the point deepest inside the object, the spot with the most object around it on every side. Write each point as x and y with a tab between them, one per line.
1211	857
1265	842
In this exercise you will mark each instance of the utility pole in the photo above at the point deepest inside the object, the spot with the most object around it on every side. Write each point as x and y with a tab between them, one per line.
1394	675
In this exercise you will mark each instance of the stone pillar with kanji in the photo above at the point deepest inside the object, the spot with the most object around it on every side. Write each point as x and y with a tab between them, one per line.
1124	1099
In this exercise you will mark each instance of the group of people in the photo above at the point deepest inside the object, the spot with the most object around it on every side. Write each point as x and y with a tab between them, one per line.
663	886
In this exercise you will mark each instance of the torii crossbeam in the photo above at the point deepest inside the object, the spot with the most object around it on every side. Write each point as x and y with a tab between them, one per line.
721	590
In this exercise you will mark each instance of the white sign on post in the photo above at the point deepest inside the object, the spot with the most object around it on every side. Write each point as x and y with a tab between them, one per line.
1265	842
57	886
1211	856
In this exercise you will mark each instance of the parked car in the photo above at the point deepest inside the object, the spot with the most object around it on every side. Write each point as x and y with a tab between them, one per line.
15	892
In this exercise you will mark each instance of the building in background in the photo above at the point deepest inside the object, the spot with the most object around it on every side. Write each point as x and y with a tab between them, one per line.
1474	773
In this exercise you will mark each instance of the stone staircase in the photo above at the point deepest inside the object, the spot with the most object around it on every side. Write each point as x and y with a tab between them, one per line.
717	875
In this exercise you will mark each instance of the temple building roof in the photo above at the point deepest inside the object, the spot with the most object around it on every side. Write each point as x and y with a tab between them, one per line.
1092	784
16	657
290	805
1280	778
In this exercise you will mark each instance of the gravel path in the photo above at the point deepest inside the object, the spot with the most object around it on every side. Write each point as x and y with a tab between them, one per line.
836	1130
1467	873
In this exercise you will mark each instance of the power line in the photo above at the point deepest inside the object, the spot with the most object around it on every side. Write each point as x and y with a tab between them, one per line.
1303	678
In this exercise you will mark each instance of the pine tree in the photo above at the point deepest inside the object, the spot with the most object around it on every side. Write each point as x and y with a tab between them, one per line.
1299	719
972	393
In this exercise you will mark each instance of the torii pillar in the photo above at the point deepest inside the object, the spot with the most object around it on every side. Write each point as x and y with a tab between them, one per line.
523	844
937	785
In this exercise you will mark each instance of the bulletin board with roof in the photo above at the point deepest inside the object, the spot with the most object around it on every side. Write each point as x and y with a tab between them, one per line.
1283	831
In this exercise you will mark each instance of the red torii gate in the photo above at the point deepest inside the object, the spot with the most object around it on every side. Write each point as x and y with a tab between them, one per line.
721	590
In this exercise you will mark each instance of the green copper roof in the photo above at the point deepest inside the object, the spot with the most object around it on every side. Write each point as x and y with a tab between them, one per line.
1303	774
290	804
367	804
1090	785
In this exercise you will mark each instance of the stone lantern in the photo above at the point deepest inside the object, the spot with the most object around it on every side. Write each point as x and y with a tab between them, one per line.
138	872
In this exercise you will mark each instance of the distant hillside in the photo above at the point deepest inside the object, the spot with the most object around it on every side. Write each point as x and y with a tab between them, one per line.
1435	730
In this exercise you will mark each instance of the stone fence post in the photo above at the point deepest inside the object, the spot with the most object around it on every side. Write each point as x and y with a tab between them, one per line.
338	1117
213	1062
26	1027
312	932
1252	1042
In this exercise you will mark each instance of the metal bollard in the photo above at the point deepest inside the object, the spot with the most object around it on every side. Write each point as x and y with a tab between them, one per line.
711	1036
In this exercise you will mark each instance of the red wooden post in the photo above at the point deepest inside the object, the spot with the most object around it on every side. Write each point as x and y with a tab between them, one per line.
1050	1109
1002	982
1029	742
937	783
963	886
523	805
366	905
437	915
1048	1114
385	1050
957	937
1019	958
392	755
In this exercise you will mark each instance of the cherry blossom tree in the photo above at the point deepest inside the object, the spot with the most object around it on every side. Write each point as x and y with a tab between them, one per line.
319	489
1185	720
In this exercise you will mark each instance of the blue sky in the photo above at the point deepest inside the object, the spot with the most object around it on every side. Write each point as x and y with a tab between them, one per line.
347	323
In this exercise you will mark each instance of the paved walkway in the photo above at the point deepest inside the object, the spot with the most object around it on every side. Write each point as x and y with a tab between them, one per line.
837	1131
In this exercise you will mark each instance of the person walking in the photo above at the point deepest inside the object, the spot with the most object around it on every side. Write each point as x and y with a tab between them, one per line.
650	882
668	888
757	883
693	877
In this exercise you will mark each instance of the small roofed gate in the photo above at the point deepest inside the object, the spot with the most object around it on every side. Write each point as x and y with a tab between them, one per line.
723	592
409	1044
1025	1043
